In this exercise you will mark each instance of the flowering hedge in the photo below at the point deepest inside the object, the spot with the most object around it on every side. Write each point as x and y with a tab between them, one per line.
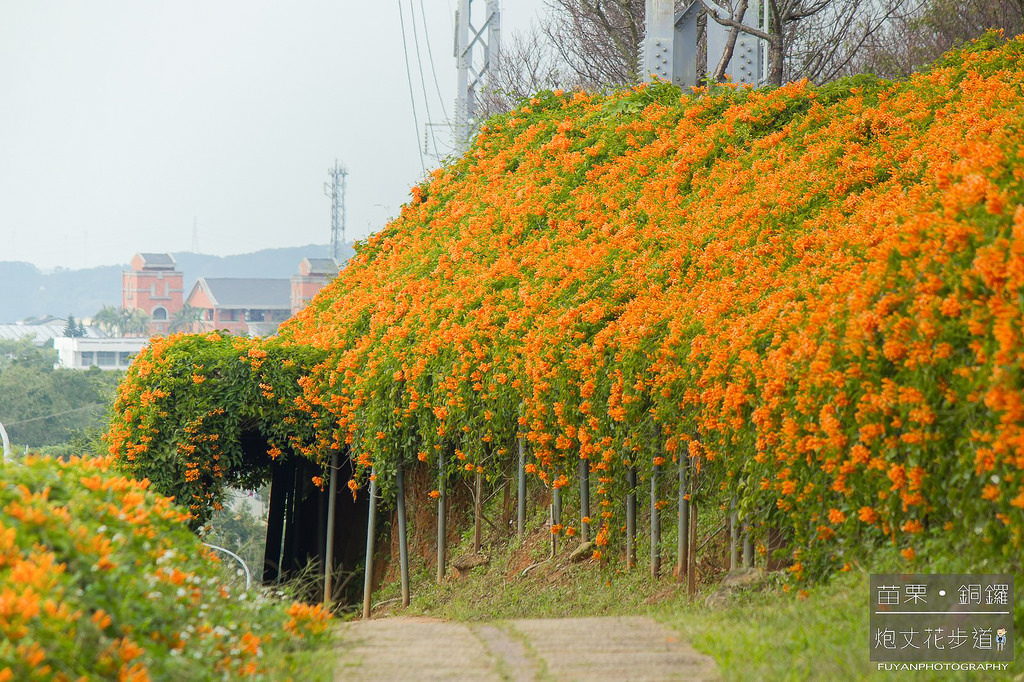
814	293
99	577
188	403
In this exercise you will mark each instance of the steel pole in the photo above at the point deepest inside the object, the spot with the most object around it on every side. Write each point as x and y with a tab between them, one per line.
371	531
631	518
329	550
748	549
733	538
584	500
655	525
403	541
683	522
441	519
521	492
556	517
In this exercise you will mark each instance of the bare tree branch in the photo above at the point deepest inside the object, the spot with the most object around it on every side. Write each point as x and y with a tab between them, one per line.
730	43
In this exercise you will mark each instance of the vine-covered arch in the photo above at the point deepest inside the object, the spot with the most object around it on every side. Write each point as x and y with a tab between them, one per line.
197	414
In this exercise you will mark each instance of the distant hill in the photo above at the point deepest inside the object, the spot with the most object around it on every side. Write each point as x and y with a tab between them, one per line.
27	292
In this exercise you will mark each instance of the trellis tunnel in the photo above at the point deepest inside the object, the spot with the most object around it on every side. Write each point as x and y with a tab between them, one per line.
297	522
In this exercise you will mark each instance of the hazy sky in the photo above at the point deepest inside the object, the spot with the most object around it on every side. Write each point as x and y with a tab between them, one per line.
123	121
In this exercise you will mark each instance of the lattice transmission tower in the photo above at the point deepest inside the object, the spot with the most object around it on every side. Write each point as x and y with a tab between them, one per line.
476	53
335	191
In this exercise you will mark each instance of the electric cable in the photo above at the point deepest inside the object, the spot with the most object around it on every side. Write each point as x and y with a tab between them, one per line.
423	81
430	53
59	414
412	95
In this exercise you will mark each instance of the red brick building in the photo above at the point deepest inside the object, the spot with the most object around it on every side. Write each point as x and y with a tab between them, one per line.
242	305
314	273
153	284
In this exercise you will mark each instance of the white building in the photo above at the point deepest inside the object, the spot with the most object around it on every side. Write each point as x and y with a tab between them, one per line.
83	353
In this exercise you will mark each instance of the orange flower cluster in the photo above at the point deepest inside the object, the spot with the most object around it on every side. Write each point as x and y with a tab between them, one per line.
190	400
91	561
814	294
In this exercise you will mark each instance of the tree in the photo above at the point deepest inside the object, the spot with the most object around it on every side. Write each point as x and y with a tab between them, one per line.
526	65
73	329
25	353
583	44
187	319
122	322
813	39
109	320
598	40
931	29
43	406
137	322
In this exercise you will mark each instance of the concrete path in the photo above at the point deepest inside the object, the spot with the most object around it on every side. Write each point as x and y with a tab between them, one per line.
625	648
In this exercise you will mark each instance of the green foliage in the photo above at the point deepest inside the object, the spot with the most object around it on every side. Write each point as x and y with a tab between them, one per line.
197	413
122	321
238	529
73	329
43	406
26	353
101	578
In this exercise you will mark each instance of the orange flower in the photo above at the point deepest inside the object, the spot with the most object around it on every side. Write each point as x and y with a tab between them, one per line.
868	515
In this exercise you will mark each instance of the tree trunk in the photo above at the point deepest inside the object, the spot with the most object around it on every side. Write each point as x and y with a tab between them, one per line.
775	60
730	44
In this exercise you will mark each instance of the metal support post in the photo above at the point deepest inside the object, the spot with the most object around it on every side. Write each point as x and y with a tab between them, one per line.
655	524
691	570
441	517
734	538
6	443
584	474
332	504
470	41
371	533
521	492
556	517
403	537
631	518
683	522
658	40
478	511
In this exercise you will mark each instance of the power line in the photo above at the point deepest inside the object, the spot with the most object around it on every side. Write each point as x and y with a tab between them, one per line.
430	53
408	78
423	82
57	414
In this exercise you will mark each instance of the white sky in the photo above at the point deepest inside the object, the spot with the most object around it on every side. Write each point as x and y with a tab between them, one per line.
121	121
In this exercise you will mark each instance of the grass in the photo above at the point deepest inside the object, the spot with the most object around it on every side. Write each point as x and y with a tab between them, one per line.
762	633
822	633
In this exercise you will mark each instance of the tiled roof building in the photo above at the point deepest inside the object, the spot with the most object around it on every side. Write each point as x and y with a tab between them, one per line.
241	305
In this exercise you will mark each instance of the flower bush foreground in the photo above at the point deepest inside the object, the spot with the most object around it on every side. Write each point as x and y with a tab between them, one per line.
813	295
101	578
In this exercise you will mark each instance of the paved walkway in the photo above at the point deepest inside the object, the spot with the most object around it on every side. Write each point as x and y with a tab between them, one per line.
625	648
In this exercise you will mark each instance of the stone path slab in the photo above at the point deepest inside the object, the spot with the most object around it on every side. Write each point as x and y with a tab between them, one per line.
622	648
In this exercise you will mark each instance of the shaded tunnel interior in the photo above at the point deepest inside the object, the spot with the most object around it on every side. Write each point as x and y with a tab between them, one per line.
296	546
